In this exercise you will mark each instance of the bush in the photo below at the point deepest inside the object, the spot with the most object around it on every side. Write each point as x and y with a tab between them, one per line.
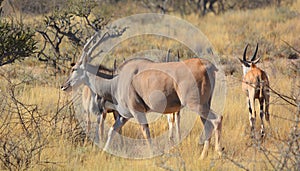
16	42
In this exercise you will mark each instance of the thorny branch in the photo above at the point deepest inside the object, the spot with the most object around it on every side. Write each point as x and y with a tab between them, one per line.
291	46
25	132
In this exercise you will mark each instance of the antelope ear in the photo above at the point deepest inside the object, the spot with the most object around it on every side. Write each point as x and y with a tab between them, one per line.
245	63
256	60
242	61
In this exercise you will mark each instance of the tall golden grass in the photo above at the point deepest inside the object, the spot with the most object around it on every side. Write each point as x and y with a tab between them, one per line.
228	33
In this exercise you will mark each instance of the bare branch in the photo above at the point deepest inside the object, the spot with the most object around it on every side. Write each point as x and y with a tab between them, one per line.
291	46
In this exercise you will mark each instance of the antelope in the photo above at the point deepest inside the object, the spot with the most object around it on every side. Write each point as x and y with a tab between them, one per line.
173	86
90	104
211	7
255	84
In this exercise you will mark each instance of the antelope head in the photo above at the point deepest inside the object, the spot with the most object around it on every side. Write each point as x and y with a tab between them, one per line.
78	72
248	64
76	78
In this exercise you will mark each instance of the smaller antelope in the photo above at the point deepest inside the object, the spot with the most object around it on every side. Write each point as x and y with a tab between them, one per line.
91	104
255	84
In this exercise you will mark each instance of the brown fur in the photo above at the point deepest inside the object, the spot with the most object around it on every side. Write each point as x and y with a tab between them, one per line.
255	84
173	85
166	88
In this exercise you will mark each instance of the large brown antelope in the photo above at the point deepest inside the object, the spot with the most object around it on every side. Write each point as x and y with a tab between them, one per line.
143	86
255	84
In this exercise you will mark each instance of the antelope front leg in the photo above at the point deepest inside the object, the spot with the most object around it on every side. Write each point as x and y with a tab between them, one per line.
213	122
116	116
88	128
101	125
146	133
142	120
115	128
202	136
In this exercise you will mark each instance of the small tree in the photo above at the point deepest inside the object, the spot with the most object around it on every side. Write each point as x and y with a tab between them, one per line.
72	26
16	40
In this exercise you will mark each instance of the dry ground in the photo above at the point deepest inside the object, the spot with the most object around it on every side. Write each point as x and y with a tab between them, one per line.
228	34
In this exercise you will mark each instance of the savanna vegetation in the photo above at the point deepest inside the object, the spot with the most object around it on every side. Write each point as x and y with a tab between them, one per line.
39	39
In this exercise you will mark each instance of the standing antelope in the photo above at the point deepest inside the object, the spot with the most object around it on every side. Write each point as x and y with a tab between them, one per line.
143	86
255	84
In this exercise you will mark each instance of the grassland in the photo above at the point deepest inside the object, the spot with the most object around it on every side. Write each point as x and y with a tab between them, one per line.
228	34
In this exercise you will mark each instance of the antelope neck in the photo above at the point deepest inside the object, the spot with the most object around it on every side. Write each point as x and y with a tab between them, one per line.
99	83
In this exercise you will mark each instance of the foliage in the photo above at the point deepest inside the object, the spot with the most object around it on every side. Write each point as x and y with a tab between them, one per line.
38	7
201	7
55	137
19	149
16	42
73	25
1	6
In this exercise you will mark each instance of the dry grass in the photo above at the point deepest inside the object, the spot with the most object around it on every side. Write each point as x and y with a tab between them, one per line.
228	33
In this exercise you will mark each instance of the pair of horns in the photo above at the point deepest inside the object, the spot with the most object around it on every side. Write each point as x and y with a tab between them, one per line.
252	60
